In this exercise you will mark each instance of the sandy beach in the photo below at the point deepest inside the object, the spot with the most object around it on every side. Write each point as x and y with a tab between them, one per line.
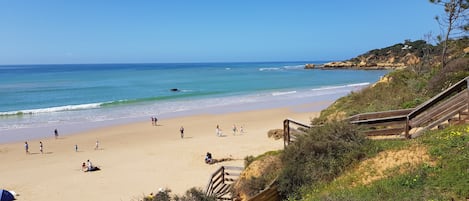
137	159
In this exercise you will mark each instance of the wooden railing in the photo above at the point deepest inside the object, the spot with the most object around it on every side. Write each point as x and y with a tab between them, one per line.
220	182
441	108
406	123
270	193
382	123
287	130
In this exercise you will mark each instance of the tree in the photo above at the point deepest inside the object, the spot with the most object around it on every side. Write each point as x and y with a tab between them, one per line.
455	18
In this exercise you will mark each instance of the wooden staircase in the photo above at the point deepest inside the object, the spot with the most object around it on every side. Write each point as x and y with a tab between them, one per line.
449	107
221	181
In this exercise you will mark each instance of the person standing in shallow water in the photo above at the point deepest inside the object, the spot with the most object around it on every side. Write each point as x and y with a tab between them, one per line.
56	133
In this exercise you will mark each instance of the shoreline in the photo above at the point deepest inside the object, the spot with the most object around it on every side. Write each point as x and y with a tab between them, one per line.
72	128
138	158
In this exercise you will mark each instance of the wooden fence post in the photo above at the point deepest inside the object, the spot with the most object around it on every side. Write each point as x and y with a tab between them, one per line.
286	133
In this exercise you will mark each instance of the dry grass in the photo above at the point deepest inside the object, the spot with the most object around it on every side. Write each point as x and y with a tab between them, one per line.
389	162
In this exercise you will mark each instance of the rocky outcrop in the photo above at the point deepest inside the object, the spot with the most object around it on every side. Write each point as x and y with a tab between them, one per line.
310	66
396	56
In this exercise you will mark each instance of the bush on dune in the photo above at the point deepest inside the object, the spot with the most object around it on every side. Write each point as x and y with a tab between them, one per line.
320	156
193	194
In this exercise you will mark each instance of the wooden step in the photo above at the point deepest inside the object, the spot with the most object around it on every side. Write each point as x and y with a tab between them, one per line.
387	137
386	131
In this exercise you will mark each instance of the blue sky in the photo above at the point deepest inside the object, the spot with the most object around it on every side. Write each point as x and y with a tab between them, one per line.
111	31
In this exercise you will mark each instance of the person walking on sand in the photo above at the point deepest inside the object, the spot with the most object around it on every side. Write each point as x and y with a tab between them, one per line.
182	132
234	129
26	147
218	131
96	147
56	133
76	148
41	147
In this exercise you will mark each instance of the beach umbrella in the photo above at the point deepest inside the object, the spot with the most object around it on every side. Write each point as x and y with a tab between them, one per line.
6	195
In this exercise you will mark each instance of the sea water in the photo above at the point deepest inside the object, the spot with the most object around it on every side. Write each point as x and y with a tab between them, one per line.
73	95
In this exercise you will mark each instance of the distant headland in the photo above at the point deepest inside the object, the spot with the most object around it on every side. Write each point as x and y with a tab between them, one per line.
400	55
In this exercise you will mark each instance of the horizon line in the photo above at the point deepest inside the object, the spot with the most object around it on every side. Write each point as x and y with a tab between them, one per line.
197	62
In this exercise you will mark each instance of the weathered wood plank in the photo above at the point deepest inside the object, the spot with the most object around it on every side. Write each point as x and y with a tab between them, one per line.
458	98
437	112
386	131
381	114
381	120
435	123
427	104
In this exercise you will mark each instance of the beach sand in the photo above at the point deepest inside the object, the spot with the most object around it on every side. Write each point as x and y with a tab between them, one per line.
137	159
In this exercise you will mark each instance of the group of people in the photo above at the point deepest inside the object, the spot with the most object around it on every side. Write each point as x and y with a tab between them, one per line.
88	166
41	147
218	131
56	135
154	121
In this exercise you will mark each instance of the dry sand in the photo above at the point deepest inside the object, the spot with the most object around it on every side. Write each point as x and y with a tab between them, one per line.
136	159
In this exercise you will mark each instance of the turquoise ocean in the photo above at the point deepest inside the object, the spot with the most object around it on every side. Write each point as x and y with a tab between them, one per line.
34	99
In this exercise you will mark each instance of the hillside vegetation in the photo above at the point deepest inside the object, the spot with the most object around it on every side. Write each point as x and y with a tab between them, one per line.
336	162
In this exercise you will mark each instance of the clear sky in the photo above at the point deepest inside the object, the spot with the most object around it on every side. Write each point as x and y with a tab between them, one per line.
147	31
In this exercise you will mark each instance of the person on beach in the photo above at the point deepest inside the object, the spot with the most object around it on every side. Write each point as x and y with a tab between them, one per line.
152	121
241	129
41	147
89	165
182	132
234	129
156	121
218	131
56	133
208	158
26	147
96	147
76	148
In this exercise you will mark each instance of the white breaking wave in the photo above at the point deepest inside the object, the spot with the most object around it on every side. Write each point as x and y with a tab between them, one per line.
340	87
295	67
54	109
269	69
283	93
358	84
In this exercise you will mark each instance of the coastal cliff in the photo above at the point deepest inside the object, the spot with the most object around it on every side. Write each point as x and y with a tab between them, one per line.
400	55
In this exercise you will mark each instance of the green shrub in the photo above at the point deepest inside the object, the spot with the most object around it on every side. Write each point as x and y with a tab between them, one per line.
248	160
320	156
445	178
195	194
